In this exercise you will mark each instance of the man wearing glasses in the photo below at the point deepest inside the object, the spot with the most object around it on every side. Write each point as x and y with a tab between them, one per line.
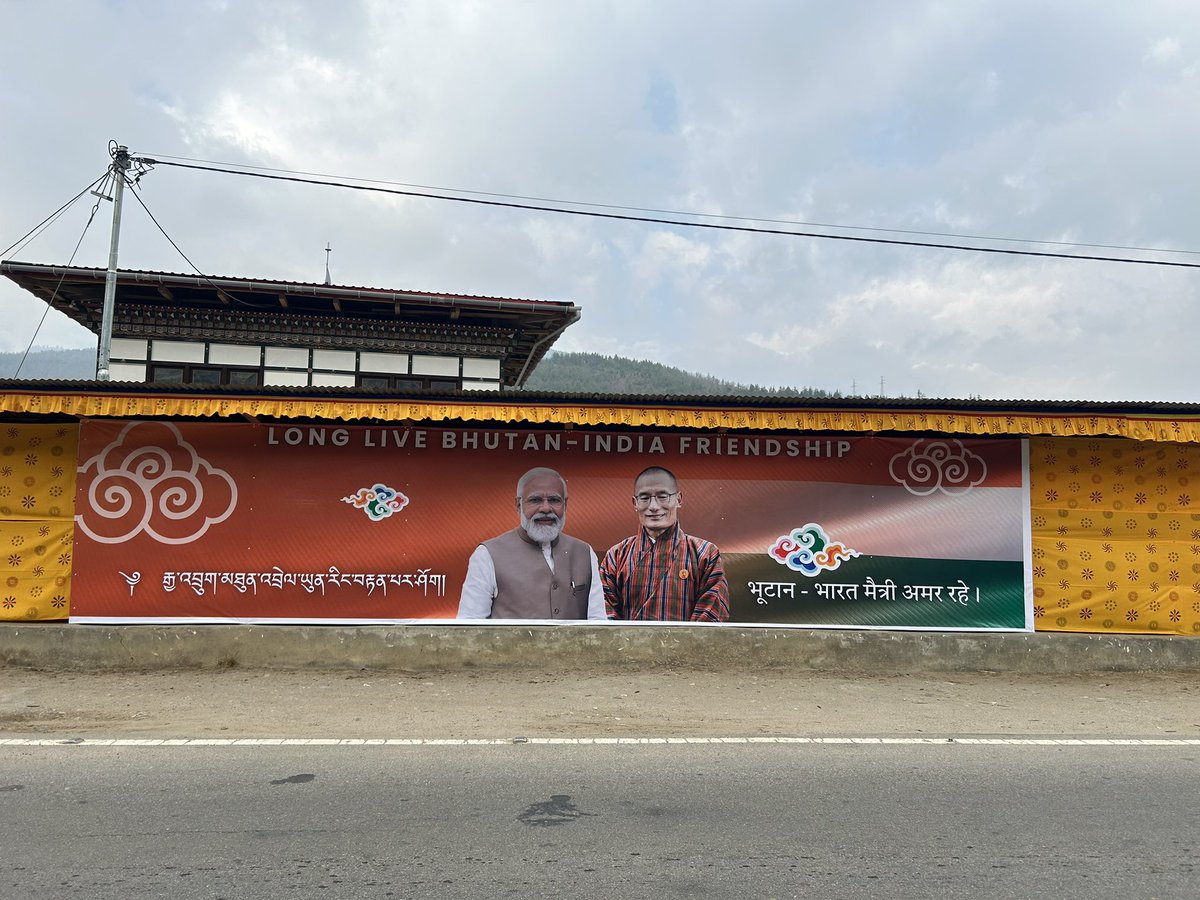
534	571
661	573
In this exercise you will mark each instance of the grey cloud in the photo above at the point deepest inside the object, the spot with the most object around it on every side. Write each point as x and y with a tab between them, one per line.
1031	121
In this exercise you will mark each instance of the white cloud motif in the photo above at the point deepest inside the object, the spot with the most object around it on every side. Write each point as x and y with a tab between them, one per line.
150	480
930	466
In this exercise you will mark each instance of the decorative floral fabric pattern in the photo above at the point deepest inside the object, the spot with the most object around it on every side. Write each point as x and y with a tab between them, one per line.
1116	535
37	505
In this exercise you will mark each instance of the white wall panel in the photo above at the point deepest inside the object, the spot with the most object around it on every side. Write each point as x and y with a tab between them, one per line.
395	363
235	355
128	348
272	376
127	371
332	379
177	351
435	365
287	357
481	368
337	360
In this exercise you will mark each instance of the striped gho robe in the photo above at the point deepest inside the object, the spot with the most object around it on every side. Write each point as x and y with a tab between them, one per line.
677	578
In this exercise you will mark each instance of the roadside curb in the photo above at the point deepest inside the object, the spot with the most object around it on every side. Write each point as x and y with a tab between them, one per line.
576	647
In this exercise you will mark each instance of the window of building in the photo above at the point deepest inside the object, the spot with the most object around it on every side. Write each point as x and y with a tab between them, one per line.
213	375
205	376
198	374
167	374
407	382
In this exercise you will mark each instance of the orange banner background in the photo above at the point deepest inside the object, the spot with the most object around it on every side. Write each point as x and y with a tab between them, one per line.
267	503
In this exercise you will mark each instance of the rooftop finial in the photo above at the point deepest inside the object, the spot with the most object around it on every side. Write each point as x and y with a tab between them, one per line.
328	280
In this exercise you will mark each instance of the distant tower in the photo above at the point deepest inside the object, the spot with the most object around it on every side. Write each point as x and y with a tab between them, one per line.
328	280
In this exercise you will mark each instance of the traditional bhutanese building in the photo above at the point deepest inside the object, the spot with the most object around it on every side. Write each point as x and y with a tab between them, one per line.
194	329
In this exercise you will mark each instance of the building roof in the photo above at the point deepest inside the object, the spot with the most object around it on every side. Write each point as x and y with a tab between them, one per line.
521	330
1175	422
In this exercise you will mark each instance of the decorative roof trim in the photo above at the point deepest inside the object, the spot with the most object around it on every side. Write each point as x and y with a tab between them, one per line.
119	402
238	327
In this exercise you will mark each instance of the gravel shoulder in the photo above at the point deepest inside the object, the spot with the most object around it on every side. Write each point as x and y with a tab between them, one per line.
282	704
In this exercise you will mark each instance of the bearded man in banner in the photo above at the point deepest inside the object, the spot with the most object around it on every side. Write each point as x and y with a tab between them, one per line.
661	573
534	571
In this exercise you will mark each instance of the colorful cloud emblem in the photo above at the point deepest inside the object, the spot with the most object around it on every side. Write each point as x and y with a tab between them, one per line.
151	481
929	466
809	551
378	501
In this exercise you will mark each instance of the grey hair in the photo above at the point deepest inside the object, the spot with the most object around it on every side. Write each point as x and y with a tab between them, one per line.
538	472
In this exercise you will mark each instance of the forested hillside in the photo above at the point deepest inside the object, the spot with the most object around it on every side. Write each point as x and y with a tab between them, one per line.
598	374
57	363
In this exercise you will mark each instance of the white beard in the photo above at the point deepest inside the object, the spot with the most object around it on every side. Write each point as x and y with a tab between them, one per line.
543	534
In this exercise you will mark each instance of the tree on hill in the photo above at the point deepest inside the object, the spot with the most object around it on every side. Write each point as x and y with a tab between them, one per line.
56	363
596	373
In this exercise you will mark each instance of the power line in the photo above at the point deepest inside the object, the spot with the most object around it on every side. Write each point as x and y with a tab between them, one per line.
54	294
41	226
164	233
674	212
710	226
133	184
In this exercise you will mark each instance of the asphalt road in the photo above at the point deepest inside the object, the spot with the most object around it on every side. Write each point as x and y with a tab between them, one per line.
936	814
660	820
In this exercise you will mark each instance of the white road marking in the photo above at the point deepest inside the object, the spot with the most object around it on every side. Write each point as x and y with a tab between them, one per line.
505	742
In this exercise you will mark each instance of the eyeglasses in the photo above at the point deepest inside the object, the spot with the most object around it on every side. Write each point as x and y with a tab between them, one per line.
539	499
661	496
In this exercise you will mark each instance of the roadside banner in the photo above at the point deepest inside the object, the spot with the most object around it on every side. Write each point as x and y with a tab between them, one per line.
216	522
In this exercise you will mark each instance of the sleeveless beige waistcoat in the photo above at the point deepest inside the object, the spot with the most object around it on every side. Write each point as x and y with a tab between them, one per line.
525	586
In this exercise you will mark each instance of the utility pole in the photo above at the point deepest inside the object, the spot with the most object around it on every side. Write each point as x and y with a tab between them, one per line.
120	165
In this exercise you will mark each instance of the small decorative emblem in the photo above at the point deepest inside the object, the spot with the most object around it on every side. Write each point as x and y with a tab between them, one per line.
930	466
378	501
809	550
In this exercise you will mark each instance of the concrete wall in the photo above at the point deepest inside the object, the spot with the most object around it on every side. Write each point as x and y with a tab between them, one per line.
580	648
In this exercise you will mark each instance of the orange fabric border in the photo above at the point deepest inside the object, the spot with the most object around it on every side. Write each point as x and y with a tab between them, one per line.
87	405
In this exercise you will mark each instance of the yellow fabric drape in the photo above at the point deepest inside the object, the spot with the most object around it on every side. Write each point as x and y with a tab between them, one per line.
37	524
1116	535
660	415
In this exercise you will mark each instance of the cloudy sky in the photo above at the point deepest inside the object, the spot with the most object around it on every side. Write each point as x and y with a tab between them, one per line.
1040	121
